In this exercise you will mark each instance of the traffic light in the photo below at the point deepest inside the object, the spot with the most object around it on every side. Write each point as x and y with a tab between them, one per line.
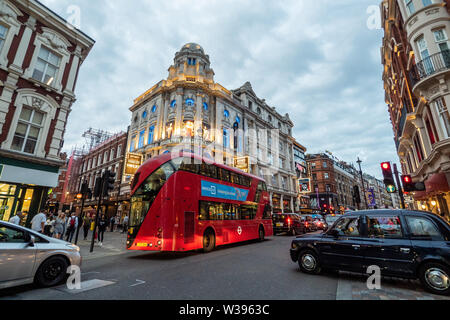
109	178
98	187
325	208
407	183
388	177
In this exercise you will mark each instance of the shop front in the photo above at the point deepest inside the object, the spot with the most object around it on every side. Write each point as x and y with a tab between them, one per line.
276	203
24	187
287	207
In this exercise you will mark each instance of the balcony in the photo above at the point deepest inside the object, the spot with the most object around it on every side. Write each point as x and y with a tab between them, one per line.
429	66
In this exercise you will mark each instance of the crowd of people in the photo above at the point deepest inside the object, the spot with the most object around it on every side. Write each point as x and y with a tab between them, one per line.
64	225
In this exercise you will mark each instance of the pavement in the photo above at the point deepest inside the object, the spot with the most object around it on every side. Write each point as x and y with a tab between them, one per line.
247	271
114	243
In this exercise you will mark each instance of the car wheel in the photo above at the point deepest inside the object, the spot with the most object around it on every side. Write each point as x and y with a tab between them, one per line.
309	262
209	241
51	272
435	277
261	233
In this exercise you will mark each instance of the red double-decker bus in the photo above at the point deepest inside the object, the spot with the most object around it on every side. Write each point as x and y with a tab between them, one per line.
182	202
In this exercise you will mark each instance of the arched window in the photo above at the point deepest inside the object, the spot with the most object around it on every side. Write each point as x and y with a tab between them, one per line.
205	106
173	103
154	109
226	113
190	102
144	114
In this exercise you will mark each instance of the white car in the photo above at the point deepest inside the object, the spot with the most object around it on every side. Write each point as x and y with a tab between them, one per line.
27	256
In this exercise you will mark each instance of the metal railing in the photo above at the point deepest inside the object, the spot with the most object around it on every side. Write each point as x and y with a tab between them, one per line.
430	65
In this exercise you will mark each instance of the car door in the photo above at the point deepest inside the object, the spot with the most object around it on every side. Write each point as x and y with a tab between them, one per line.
343	250
427	238
17	257
388	245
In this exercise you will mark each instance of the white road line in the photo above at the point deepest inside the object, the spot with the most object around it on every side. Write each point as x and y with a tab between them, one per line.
139	283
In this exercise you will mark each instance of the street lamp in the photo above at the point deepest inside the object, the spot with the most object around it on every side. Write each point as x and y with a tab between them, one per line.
362	181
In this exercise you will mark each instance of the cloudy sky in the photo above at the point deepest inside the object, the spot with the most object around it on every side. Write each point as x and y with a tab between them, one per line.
317	60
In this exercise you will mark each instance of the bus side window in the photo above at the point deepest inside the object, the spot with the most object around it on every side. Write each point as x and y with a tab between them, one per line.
189	165
204	212
224	175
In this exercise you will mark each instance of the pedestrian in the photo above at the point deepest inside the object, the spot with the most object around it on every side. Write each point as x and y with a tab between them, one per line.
86	225
125	224
71	226
112	221
48	227
117	221
17	218
102	224
38	222
58	227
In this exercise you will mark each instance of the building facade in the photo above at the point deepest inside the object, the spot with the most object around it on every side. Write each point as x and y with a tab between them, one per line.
303	179
108	155
416	59
190	111
40	57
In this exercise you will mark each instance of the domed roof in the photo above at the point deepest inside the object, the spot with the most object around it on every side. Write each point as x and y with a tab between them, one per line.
192	47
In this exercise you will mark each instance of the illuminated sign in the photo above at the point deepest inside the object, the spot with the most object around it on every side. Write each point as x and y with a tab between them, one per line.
132	163
305	185
242	163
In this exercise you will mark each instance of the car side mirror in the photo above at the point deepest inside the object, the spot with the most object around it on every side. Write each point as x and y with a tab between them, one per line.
31	239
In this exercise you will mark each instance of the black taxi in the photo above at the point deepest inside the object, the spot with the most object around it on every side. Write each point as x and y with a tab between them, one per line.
402	243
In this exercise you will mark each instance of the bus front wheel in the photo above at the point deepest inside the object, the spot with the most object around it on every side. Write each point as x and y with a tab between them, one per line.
209	241
261	233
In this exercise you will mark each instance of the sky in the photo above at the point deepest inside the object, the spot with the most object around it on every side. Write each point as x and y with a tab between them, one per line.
317	60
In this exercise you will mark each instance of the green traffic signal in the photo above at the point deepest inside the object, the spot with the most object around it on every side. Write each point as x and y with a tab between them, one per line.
391	188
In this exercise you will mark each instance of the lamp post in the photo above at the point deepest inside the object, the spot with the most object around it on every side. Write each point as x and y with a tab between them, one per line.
362	181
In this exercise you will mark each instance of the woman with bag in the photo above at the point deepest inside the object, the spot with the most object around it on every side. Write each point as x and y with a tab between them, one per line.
58	227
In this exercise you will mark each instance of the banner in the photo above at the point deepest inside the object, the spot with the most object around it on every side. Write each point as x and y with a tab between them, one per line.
305	185
215	190
371	201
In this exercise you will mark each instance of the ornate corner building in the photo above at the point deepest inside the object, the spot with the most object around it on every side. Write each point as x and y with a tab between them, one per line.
416	59
190	111
40	56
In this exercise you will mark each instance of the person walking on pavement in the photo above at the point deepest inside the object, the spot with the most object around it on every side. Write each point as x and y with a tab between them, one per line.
58	227
38	222
102	224
112	221
17	218
86	226
125	224
72	224
48	227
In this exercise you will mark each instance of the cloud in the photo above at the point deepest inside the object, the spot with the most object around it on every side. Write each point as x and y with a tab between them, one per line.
315	60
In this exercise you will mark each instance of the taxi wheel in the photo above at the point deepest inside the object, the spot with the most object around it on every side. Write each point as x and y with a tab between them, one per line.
209	241
309	262
435	277
51	272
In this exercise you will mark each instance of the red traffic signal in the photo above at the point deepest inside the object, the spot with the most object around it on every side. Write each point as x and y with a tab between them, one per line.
407	183
385	165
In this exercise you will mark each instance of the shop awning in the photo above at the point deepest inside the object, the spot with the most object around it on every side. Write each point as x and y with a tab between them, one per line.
435	184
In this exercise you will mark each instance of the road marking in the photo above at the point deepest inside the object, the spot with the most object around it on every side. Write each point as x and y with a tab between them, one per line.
86	286
139	283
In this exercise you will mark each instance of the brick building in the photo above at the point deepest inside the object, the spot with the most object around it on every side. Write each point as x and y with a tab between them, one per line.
108	155
40	57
